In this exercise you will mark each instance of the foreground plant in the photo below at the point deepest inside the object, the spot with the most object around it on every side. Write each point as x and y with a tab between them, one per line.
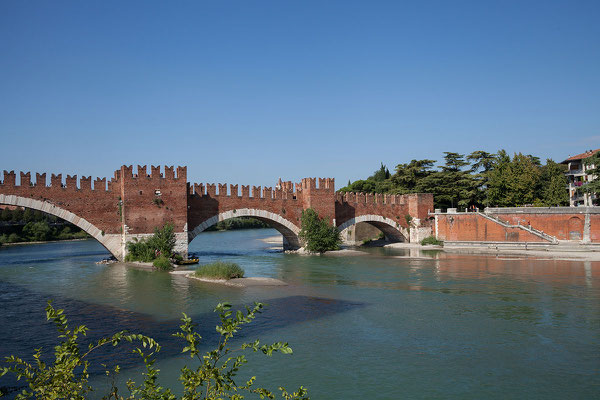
213	378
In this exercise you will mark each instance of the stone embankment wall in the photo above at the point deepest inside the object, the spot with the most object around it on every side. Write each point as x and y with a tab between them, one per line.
521	224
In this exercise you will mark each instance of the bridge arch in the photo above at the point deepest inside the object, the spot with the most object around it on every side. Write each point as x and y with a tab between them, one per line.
112	243
390	228
285	227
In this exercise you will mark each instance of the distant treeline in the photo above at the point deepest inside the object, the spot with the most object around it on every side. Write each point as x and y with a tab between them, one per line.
35	226
238	223
479	179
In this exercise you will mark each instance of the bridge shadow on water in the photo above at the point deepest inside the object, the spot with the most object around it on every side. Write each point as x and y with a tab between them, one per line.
23	326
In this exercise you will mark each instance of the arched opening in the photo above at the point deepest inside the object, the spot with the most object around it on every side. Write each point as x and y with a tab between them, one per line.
575	228
391	229
288	230
112	243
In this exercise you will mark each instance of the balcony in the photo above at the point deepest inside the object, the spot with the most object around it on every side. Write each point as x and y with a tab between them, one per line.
575	172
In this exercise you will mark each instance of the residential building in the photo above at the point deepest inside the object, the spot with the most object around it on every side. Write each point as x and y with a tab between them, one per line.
577	176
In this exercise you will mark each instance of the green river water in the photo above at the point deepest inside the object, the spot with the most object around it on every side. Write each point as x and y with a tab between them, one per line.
378	326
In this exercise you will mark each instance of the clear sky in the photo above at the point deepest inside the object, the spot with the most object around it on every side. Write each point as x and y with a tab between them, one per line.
250	91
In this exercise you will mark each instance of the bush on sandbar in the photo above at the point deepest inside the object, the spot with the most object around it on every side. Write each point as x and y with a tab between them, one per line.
162	263
431	240
220	270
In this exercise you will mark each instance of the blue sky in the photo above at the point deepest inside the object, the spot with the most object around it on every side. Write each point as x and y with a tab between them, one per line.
248	91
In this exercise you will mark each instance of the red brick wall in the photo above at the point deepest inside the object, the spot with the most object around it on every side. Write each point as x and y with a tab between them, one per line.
131	200
394	207
473	227
98	206
143	209
204	202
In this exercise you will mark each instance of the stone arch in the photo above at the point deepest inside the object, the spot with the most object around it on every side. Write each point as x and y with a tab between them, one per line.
575	228
112	243
285	227
390	228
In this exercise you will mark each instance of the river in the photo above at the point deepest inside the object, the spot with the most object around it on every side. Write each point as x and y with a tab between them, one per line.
379	326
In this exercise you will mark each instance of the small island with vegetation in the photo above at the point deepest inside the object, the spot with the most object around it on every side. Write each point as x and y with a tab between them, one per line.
157	249
220	270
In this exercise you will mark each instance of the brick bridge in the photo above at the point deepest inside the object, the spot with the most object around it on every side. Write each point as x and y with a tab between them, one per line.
131	205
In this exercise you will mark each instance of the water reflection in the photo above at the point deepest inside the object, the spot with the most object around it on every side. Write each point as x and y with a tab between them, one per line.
411	323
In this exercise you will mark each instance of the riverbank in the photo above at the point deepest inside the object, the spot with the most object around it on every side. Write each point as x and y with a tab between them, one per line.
46	241
555	252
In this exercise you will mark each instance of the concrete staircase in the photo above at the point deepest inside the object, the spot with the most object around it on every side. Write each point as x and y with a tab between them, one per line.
533	231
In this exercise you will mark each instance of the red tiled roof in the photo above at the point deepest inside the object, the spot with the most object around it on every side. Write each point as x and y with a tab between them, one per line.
581	156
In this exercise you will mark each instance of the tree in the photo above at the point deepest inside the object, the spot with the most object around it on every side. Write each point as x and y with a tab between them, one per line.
381	174
6	215
28	215
482	163
524	177
498	178
408	177
316	233
453	186
553	191
17	215
37	231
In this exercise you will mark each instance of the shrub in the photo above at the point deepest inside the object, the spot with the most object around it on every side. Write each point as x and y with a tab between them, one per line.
316	233
14	238
220	270
162	263
431	240
214	377
146	250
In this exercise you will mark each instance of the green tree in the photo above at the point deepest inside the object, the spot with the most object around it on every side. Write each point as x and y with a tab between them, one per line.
409	177
381	174
28	215
6	215
37	231
498	180
553	191
524	180
17	215
482	163
452	185
316	233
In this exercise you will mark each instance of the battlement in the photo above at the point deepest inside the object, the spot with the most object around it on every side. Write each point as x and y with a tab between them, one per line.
247	192
286	186
325	184
170	173
71	182
370	198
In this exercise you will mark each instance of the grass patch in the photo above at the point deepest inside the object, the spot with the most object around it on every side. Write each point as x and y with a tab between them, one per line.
431	240
220	270
162	263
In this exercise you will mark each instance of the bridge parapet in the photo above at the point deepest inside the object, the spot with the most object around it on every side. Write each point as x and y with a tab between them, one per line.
169	175
72	182
247	192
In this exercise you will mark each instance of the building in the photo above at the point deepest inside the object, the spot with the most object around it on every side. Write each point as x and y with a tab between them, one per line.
577	176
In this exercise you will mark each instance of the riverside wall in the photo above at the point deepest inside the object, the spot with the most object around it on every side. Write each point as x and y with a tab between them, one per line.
520	224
